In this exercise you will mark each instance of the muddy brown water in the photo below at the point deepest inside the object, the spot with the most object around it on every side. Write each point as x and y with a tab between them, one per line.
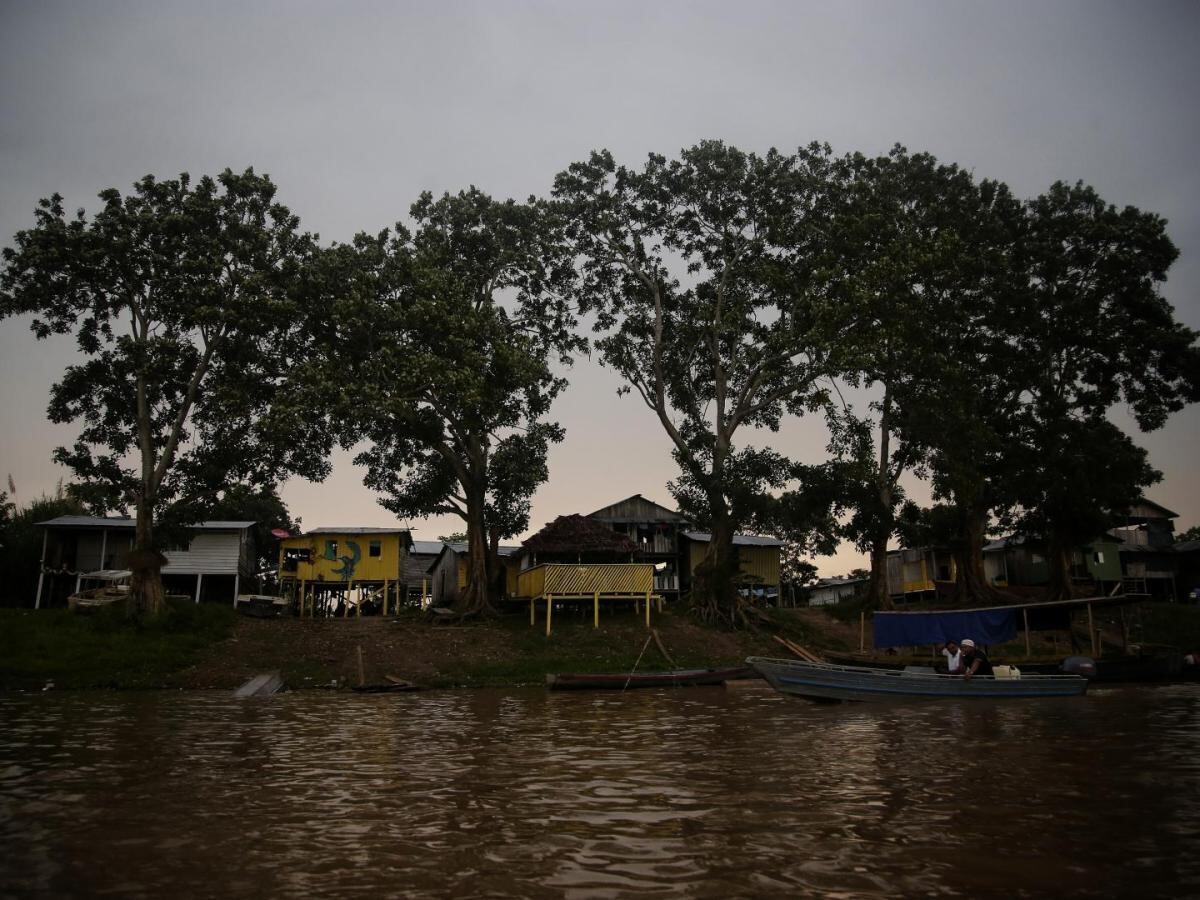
698	792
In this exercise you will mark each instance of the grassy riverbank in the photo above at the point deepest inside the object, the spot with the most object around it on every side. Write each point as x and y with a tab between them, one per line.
212	647
105	649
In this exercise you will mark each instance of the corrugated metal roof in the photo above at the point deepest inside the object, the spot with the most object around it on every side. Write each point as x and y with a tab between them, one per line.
739	540
427	548
104	522
356	530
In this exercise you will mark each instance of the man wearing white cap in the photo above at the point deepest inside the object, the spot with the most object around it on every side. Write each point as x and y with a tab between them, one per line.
974	660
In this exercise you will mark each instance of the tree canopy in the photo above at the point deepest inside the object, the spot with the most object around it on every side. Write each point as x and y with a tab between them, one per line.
468	319
188	303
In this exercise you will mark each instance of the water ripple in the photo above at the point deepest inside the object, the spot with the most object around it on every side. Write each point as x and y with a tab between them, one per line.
683	793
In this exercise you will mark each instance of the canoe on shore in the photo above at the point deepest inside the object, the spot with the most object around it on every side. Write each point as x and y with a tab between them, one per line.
568	681
829	683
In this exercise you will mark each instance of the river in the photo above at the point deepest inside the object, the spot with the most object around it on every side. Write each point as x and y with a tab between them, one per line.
698	792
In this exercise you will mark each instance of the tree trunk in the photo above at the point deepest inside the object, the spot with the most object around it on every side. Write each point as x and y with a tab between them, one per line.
714	589
145	565
1058	560
877	588
475	599
970	583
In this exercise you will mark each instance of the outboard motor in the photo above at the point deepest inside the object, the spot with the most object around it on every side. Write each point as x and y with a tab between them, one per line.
1084	666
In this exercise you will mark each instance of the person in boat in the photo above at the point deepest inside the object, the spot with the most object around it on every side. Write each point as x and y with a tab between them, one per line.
953	656
974	660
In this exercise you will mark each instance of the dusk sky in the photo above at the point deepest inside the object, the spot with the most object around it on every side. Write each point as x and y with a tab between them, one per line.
354	108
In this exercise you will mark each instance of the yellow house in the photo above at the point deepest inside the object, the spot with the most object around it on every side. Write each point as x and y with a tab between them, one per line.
758	560
336	560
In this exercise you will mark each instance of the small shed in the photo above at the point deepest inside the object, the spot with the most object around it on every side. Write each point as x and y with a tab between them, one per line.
830	591
758	561
448	572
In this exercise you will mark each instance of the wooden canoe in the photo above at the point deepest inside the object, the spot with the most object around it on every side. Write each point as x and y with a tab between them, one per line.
569	681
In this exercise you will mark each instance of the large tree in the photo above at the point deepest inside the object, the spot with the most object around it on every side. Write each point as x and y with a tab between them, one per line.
707	275
913	250
1094	330
958	397
460	327
188	303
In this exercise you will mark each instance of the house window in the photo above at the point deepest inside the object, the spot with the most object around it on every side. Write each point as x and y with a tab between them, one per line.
1098	556
331	549
293	556
375	548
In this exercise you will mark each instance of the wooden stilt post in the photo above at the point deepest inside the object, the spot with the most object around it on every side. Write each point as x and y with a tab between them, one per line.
1025	613
303	596
385	590
549	608
532	610
596	609
647	609
37	602
358	605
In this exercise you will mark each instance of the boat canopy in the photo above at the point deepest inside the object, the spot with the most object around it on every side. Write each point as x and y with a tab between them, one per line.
911	629
985	625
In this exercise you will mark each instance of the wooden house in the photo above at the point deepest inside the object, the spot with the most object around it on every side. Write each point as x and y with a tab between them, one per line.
914	571
1020	561
1149	561
327	564
830	591
577	559
655	530
758	562
448	572
209	564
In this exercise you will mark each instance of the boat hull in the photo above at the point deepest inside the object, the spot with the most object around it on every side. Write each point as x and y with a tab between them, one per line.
571	681
833	683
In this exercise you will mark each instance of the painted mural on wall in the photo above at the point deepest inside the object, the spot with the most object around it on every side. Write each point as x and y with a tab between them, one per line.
349	563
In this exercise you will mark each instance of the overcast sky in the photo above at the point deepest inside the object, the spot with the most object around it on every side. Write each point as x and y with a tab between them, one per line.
354	108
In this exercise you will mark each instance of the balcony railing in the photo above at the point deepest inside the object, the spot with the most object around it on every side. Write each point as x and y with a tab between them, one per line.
601	582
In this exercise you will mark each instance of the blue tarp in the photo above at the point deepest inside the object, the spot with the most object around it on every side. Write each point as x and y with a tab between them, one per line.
911	629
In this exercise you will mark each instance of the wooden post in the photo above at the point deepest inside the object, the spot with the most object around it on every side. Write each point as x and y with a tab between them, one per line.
647	609
385	589
1092	631
1025	613
237	578
596	609
199	580
37	601
532	612
862	630
357	606
549	607
303	596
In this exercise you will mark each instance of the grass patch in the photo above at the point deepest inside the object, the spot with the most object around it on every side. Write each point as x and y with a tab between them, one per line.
104	649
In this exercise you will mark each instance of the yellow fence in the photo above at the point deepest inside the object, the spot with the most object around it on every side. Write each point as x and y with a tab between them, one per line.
603	581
